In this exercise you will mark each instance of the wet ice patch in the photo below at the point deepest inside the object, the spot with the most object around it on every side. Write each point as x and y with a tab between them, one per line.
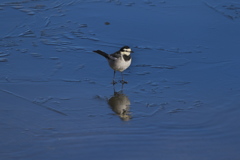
230	10
3	59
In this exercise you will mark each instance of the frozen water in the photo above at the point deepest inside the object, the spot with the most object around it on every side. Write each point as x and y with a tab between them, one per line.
182	96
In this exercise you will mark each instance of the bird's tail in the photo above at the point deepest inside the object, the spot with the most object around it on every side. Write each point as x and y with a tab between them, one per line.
102	53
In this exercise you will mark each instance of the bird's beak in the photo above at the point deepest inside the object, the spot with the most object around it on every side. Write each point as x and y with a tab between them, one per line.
132	52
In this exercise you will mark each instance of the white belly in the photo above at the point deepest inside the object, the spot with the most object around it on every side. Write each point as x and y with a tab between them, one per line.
119	65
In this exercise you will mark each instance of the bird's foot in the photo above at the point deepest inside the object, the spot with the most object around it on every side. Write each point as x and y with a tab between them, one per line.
123	82
114	82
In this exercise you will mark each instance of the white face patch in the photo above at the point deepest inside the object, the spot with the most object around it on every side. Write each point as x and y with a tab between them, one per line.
126	51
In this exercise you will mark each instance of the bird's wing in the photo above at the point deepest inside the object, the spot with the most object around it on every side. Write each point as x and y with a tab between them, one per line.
115	55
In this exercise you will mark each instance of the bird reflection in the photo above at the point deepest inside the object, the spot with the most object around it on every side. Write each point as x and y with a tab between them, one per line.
120	104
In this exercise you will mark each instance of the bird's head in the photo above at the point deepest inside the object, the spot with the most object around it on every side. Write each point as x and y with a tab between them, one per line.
126	50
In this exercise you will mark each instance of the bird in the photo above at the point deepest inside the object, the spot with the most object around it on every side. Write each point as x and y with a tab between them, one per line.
118	61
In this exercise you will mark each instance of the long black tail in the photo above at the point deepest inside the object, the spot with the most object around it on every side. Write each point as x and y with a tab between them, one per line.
102	53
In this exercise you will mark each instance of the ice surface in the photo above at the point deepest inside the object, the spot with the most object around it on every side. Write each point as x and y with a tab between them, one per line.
182	96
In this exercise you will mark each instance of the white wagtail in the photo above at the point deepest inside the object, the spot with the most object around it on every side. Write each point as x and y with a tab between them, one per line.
118	61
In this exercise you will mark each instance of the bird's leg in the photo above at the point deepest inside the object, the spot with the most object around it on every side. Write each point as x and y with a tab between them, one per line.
122	87
114	90
114	82
122	81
